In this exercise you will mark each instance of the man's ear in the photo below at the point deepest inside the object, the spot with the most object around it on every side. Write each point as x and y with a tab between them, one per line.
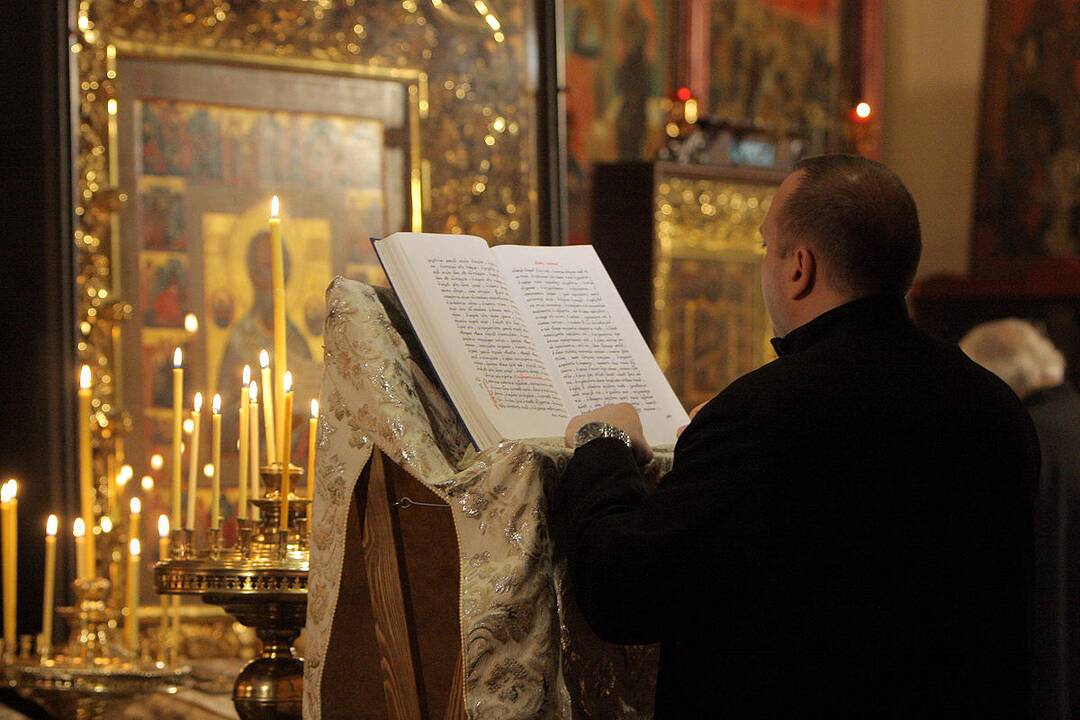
803	275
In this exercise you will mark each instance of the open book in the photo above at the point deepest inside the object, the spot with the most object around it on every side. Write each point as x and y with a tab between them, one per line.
524	338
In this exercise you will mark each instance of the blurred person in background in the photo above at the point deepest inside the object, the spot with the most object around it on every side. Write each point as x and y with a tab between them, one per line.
1017	352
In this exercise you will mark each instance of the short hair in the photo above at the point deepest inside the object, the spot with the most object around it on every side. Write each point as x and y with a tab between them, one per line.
1016	352
859	216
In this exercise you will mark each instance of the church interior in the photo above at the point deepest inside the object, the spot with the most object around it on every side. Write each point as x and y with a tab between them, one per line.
232	486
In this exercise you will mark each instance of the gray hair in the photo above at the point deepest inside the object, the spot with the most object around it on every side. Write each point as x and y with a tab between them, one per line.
1016	352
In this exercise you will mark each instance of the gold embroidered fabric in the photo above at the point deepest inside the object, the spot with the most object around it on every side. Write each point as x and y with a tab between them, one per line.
527	652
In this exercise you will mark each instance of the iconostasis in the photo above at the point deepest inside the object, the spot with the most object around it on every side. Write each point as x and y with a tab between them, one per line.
364	118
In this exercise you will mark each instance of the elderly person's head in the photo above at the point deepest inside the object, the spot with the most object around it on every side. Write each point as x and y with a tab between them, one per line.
1017	353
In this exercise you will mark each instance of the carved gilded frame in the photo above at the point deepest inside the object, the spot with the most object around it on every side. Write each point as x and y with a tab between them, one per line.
472	87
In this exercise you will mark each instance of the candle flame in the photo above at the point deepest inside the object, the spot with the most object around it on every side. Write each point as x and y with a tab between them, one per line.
135	547
314	408
246	377
78	529
215	404
84	377
191	323
197	405
7	491
275	207
111	105
147	483
208	470
157	461
188	426
106	524
163	525
135	505
178	358
126	473
264	359
52	525
287	381
253	391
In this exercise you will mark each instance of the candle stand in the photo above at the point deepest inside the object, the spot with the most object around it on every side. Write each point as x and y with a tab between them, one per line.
93	677
261	581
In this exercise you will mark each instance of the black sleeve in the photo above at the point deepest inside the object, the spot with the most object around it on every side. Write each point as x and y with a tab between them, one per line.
629	553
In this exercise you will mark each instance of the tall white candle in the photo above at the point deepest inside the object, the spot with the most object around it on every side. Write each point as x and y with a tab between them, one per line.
86	469
193	470
51	528
135	519
78	530
253	445
242	472
131	625
10	533
268	408
215	460
277	272
177	432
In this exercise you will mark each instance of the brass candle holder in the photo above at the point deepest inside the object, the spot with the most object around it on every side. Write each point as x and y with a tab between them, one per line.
262	582
93	677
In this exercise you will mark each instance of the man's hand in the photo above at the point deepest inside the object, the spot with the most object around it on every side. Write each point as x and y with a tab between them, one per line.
692	414
622	416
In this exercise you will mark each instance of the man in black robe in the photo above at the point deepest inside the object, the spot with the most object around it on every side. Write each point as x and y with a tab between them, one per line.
845	532
1029	363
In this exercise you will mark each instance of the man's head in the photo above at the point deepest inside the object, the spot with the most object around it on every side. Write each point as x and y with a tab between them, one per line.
840	227
1017	353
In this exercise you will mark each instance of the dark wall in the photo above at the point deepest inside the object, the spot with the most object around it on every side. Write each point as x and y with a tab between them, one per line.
36	325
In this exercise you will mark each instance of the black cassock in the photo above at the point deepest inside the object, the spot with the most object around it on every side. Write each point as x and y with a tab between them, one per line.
846	532
1056	630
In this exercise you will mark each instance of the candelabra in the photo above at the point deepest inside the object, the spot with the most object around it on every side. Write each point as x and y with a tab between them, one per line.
262	582
93	677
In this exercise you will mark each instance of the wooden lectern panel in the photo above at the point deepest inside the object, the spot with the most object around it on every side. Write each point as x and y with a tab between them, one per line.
395	647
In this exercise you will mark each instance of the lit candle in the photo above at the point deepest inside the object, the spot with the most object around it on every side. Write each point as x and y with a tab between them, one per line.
277	269
131	625
215	460
147	483
86	470
286	451
51	527
78	529
123	477
178	431
193	457
10	532
253	447
105	525
242	474
156	462
163	555
134	531
313	428
268	408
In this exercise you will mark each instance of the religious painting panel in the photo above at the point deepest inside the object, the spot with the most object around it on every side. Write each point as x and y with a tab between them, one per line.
775	64
205	150
709	318
365	118
1028	186
617	69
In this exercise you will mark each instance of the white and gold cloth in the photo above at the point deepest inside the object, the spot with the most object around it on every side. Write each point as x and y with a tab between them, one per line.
527	653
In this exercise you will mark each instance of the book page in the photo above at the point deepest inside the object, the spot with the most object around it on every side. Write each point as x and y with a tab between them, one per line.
597	349
508	367
476	337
